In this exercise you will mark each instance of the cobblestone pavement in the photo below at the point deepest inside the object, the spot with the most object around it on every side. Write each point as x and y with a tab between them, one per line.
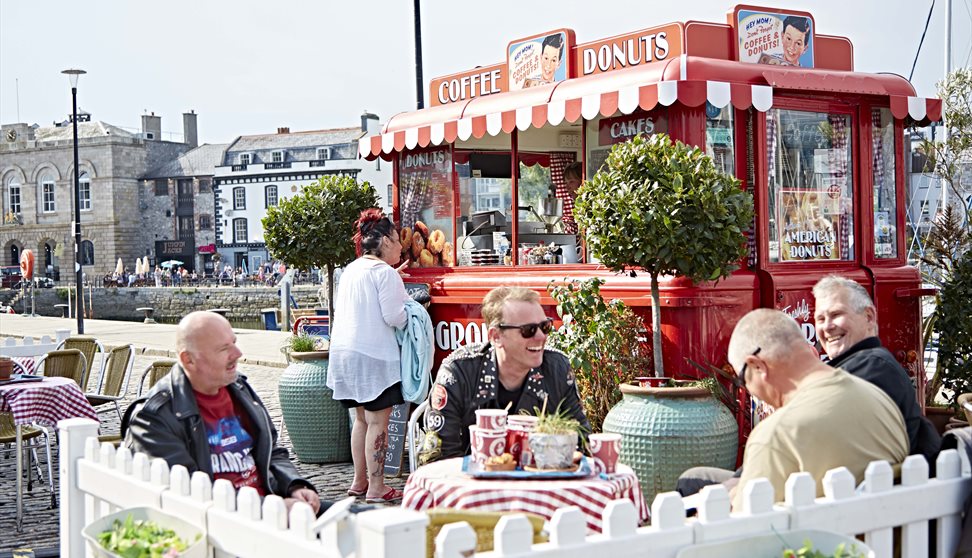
41	523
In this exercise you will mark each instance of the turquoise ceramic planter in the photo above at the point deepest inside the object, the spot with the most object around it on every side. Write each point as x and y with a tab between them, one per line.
316	423
665	431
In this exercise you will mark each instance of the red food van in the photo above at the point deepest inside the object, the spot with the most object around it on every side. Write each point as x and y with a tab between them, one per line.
770	100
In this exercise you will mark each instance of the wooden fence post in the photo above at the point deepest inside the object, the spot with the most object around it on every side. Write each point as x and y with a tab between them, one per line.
72	434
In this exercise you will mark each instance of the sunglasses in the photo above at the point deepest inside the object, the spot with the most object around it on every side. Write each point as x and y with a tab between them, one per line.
742	372
529	330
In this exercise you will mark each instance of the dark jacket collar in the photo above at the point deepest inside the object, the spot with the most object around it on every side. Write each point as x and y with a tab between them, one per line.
184	399
867	343
487	385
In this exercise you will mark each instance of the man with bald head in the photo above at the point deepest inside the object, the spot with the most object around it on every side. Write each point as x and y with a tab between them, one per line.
824	418
205	416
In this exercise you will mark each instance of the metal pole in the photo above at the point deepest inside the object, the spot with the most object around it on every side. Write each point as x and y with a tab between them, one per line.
77	212
948	69
419	88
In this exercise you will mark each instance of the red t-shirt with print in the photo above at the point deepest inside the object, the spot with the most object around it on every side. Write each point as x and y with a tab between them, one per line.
230	444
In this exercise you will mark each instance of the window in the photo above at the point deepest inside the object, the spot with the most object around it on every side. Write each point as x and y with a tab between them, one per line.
87	252
84	189
389	199
205	185
239	230
13	197
885	185
271	195
426	194
161	187
244	158
205	223
239	198
323	153
47	195
718	137
811	204
277	157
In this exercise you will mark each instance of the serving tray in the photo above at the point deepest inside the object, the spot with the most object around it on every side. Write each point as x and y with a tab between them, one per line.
476	471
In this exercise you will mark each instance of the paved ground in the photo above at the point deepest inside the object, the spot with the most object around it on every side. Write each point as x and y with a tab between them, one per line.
41	523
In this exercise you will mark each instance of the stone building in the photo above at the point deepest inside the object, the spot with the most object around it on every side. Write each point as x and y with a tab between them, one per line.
177	206
37	187
258	171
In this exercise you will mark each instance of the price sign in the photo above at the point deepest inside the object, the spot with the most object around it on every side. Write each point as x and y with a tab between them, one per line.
397	431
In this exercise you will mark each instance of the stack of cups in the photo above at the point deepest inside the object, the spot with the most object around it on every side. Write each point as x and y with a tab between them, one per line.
487	438
518	438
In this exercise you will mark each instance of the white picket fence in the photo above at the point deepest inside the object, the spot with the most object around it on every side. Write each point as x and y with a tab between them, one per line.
98	479
29	347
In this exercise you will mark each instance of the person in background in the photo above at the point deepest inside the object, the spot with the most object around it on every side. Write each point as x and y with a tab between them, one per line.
365	363
825	418
513	370
573	176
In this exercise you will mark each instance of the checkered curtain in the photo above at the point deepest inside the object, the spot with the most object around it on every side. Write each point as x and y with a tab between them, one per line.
837	160
416	194
877	154
751	260
558	162
772	185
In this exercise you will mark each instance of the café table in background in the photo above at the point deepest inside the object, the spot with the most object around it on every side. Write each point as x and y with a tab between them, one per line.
442	484
41	402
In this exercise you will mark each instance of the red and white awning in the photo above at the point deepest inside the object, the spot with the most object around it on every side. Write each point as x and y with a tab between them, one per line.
919	109
554	105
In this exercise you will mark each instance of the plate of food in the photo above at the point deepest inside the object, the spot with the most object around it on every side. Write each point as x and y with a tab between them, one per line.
503	468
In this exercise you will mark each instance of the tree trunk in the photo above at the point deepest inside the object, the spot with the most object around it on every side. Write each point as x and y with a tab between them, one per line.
330	294
656	336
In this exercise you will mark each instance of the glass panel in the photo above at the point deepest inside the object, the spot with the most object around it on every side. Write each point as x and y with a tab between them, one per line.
84	191
425	203
885	184
810	186
720	138
485	203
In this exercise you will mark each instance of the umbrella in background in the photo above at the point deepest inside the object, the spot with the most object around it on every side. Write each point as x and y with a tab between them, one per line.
170	263
119	267
243	265
138	266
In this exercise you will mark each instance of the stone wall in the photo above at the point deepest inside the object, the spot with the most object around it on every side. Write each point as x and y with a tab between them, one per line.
244	304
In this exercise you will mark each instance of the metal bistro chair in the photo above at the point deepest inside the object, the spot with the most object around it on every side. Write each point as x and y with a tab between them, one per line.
114	381
89	347
154	372
66	363
8	437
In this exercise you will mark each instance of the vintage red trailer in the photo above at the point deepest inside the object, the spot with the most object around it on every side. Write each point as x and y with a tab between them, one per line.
771	100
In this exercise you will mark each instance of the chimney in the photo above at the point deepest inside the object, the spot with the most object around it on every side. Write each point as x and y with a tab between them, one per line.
152	127
369	124
189	130
284	130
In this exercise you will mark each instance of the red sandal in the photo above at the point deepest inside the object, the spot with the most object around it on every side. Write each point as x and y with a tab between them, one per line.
389	497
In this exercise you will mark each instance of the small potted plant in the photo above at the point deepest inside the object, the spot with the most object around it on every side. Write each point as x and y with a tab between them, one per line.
554	440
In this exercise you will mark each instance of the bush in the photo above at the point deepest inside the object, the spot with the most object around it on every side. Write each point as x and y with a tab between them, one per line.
954	324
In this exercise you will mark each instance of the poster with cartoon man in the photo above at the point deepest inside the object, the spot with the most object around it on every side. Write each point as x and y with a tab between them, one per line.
538	61
775	38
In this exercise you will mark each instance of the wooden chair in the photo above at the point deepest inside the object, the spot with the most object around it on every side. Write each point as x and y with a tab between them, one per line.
66	363
89	347
483	522
114	381
8	436
154	372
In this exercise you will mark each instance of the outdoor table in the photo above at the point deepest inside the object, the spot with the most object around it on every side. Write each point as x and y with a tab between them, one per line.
442	484
44	402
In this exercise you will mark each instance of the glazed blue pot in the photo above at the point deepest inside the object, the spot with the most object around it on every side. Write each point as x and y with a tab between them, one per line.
317	424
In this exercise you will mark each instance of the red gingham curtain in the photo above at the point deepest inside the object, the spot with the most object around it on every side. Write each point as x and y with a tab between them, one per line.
558	162
838	167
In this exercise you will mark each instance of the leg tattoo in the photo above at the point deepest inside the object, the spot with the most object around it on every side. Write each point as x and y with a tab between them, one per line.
379	456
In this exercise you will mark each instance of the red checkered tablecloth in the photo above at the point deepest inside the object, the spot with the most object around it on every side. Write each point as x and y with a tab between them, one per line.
443	485
45	402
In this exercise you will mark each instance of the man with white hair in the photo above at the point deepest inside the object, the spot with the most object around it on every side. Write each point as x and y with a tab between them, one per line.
846	323
824	418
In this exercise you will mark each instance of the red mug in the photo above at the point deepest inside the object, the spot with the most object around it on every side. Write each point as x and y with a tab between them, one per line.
605	448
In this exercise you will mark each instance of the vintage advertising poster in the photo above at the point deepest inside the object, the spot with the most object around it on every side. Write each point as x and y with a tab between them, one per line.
539	60
809	226
775	38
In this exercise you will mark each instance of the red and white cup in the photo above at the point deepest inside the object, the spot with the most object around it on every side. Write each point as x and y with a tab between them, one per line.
518	430
605	448
491	419
486	443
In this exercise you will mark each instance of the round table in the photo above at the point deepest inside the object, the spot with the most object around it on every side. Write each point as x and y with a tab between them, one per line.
442	484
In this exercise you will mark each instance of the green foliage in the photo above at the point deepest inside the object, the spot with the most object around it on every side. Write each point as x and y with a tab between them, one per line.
533	184
949	157
556	422
303	343
807	551
315	227
954	324
664	207
605	342
137	539
62	292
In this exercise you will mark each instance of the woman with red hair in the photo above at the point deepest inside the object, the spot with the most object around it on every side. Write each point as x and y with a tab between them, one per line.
365	362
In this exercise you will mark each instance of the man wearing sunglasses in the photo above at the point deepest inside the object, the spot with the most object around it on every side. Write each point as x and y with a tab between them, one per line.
513	370
825	418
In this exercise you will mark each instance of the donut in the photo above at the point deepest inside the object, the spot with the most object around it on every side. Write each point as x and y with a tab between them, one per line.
418	243
406	238
448	257
436	241
426	259
422	228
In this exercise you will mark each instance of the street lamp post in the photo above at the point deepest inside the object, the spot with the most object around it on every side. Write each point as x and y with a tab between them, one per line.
73	75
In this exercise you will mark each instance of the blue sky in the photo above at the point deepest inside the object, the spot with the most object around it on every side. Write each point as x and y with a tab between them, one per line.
248	67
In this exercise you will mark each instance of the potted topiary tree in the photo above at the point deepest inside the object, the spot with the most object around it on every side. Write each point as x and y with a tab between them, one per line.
663	208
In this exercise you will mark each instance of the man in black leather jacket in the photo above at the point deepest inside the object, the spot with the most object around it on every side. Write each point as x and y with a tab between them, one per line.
171	421
513	368
846	323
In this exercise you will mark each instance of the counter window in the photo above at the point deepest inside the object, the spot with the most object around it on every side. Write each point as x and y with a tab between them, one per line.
719	138
425	204
485	205
810	182
885	184
547	185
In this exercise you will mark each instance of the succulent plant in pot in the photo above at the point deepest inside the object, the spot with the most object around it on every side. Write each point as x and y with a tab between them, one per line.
554	439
